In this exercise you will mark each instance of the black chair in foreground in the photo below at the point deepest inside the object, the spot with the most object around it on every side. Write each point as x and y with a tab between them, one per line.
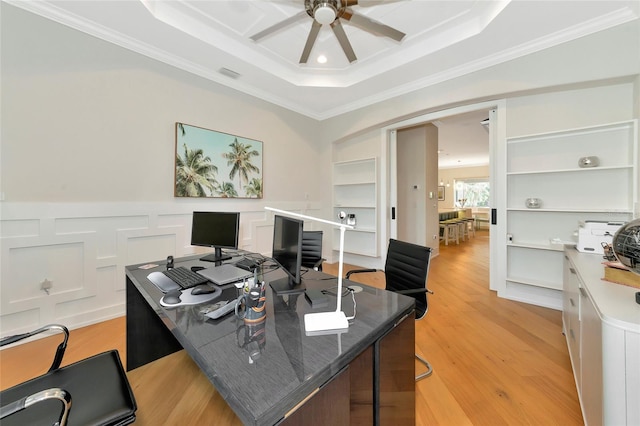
406	270
96	387
312	250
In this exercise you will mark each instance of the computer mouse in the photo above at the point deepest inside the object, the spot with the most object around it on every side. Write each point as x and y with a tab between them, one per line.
172	298
202	289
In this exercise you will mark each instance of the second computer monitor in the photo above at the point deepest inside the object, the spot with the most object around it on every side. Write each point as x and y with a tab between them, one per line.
215	229
287	252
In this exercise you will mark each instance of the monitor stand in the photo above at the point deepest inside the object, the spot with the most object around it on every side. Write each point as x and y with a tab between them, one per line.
217	256
286	285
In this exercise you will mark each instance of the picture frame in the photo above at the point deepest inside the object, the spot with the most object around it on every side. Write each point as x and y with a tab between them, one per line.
212	164
440	193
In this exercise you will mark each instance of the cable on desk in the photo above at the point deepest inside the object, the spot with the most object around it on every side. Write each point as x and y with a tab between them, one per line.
346	291
353	297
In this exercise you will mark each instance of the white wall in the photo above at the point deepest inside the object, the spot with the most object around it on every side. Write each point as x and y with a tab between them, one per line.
411	189
417	164
84	120
588	81
87	151
585	62
87	168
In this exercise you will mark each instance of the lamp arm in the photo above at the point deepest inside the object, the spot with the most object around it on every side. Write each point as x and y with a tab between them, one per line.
342	227
340	267
315	219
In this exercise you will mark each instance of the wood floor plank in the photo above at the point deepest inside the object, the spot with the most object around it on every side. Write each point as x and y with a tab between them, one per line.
496	361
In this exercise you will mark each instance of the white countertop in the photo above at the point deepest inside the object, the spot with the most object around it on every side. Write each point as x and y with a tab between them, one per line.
615	303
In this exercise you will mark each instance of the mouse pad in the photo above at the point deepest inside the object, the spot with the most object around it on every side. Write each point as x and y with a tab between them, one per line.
186	298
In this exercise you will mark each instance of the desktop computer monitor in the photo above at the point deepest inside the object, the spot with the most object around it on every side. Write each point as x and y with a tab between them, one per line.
215	229
287	252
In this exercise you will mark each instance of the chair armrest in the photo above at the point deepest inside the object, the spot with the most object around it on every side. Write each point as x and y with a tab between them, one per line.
357	271
26	402
57	359
412	291
318	263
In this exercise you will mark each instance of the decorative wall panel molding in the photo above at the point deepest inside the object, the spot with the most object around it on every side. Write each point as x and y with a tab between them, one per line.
65	262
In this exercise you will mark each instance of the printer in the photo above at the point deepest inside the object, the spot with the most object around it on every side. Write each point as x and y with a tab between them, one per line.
592	233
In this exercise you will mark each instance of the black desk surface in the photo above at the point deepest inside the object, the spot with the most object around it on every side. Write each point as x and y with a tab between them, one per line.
264	377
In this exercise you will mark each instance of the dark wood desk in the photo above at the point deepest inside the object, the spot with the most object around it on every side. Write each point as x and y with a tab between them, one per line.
364	375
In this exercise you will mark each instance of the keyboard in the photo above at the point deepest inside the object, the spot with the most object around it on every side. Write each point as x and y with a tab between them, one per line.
184	277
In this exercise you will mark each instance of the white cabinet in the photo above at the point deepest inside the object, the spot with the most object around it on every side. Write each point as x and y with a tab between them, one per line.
355	193
603	337
591	392
571	314
546	167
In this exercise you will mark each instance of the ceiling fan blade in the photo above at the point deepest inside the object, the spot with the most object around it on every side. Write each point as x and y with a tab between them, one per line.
368	3
338	30
372	26
311	39
279	25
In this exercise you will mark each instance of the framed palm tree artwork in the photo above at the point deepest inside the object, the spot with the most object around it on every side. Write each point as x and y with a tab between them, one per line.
216	164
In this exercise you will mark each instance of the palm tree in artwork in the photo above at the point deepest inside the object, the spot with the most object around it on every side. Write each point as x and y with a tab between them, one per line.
195	174
239	158
227	190
254	189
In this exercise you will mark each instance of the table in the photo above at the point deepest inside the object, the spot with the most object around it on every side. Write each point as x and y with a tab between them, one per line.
279	375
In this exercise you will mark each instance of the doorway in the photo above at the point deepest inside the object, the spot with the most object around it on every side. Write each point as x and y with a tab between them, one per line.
393	137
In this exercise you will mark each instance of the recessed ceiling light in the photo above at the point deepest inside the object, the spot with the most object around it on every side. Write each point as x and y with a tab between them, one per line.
322	59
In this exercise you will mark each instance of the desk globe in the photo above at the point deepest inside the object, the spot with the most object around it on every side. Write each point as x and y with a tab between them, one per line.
626	245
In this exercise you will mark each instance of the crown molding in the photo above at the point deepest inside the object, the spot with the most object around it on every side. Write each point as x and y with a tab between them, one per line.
52	12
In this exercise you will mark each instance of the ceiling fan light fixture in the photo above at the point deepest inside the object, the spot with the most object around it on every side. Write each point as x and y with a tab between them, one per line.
325	13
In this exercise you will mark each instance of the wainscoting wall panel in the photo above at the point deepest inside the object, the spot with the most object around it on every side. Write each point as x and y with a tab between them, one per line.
80	250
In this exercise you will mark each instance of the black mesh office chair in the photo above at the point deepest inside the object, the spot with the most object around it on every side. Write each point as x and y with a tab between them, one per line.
97	387
406	270
312	250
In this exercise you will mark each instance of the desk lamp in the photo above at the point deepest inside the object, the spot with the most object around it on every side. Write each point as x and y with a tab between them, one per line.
324	321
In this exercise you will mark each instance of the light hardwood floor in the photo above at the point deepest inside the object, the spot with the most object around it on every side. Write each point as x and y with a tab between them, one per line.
496	362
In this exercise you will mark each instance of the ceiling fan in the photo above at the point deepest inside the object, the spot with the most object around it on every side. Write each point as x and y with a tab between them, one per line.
331	12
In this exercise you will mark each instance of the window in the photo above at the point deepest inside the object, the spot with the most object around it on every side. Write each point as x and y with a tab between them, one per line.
471	192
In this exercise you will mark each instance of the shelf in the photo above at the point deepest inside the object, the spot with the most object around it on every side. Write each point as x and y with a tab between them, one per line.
363	182
355	172
597	128
545	166
610	211
605	189
355	192
586	169
355	206
612	144
539	246
536	283
358	229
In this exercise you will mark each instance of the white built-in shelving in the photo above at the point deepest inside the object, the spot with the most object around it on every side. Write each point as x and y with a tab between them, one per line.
355	192
546	166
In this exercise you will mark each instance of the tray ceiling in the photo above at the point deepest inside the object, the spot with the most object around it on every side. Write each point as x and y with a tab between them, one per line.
444	39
